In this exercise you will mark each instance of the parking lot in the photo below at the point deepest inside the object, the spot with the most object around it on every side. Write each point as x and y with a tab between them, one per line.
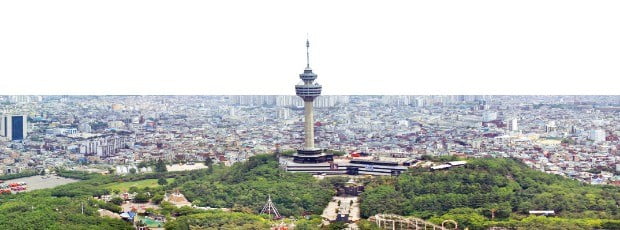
38	182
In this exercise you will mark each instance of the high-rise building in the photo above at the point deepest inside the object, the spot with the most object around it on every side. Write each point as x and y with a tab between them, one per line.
103	147
396	100
231	112
419	102
282	113
253	100
489	116
550	127
14	127
512	124
321	102
573	129
116	124
85	128
597	135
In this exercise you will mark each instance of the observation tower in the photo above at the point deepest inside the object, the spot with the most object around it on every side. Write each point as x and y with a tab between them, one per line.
308	90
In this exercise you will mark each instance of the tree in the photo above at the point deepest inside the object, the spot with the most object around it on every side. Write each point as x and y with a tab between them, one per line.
310	224
98	125
218	220
382	199
466	217
162	181
116	201
132	170
142	164
367	225
337	225
40	211
157	198
248	184
141	198
160	166
611	225
499	189
209	164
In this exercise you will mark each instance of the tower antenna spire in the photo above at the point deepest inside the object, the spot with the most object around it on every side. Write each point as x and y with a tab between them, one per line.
307	51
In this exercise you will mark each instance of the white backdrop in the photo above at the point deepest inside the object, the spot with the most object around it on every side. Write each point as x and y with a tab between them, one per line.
357	47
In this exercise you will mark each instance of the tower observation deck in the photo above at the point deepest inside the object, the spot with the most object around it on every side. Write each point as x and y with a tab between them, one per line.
309	90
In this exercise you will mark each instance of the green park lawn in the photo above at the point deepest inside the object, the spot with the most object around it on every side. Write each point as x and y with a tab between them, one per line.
139	184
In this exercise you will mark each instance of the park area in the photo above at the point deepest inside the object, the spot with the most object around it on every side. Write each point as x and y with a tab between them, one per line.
124	186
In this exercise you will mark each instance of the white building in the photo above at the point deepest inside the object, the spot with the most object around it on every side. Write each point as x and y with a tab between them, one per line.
231	111
84	127
103	147
283	113
116	124
597	135
61	131
512	124
419	102
550	127
319	102
489	116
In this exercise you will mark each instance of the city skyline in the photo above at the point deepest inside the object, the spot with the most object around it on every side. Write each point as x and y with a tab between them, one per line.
260	141
446	115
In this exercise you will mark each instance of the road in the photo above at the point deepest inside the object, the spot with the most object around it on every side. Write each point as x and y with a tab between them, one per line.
354	211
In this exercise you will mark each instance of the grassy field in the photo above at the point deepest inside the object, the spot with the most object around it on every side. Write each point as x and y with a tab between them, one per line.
139	184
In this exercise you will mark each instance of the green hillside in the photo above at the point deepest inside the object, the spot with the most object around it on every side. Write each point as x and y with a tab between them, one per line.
219	220
124	186
39	210
484	193
246	186
501	190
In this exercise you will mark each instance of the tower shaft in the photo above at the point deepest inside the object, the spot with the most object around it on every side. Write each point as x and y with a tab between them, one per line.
309	124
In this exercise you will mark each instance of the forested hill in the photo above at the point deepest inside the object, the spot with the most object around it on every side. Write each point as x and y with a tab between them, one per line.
243	187
490	189
246	186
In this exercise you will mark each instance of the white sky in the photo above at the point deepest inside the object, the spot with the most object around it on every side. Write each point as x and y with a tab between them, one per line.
357	47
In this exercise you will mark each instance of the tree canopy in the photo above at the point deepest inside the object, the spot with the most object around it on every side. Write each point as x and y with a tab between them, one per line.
160	166
247	185
40	211
488	189
219	220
